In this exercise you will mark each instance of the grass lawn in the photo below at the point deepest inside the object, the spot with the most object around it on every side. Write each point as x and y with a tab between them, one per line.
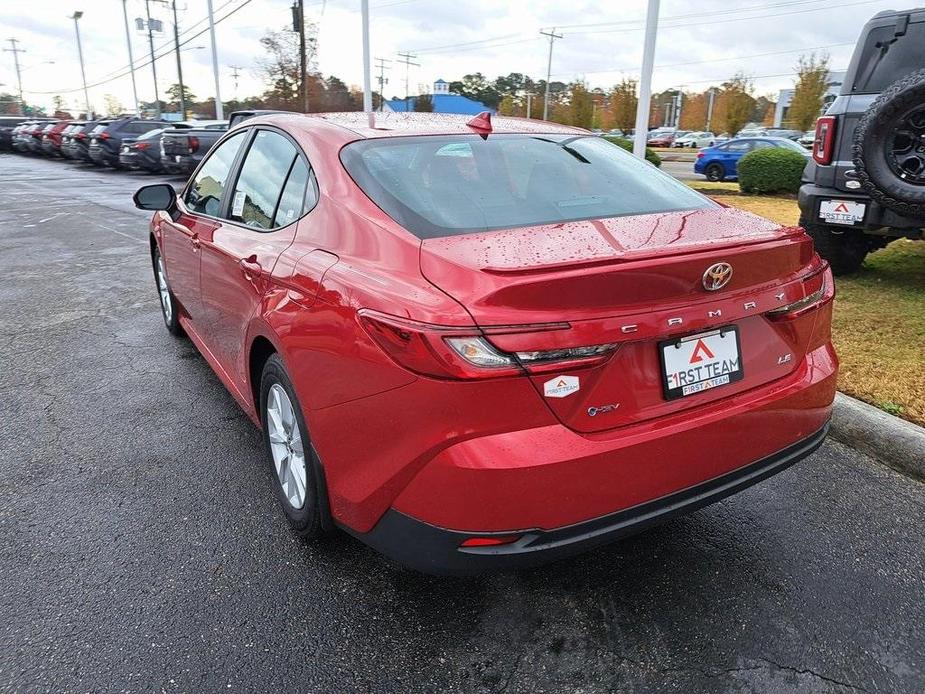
879	324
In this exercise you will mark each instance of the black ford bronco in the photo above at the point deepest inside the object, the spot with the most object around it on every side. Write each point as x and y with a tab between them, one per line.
865	184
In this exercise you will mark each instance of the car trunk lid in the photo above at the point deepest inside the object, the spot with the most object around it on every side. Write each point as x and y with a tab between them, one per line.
633	282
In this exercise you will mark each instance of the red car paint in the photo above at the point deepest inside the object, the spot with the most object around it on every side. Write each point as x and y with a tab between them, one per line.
419	433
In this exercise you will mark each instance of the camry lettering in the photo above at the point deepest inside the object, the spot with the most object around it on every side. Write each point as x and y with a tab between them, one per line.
675	321
750	305
714	314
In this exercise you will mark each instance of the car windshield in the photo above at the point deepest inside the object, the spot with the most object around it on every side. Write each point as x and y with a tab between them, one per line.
445	185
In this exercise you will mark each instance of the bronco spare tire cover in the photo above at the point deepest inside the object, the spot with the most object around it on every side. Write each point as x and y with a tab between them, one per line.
889	146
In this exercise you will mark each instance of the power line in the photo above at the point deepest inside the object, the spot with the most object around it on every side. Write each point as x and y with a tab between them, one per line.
552	37
721	60
406	59
711	22
243	4
16	50
382	79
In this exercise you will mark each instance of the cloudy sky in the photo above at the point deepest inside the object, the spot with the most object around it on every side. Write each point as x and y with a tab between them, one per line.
699	43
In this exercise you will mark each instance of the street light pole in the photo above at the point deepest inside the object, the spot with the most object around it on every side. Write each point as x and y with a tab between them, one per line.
131	60
219	107
645	81
710	108
552	37
80	54
367	82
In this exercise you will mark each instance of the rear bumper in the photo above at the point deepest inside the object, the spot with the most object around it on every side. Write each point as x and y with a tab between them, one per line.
877	216
564	491
431	549
183	165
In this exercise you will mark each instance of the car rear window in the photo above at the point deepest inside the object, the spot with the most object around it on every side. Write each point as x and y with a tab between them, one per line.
888	57
445	185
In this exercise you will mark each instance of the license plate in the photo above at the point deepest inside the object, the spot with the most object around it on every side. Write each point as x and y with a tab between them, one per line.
176	158
842	211
700	362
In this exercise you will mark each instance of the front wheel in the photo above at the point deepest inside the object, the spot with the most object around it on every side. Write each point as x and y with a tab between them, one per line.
845	250
289	449
168	302
715	173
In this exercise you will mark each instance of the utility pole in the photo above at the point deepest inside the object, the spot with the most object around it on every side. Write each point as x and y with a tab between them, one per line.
552	37
80	54
367	82
529	96
298	24
710	108
176	41
679	104
15	50
408	63
645	81
383	80
157	98
219	106
131	60
235	71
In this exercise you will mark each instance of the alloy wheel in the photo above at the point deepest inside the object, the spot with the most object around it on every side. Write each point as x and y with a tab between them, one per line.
906	147
286	445
164	290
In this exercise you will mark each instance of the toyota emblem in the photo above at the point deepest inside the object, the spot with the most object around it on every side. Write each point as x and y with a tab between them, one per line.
717	276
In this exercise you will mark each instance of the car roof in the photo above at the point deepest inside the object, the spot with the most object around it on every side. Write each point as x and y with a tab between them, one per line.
404	124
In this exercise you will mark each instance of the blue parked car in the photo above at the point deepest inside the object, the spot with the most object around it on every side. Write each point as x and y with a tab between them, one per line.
719	163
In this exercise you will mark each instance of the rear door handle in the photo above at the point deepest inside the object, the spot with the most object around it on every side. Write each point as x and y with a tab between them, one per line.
250	267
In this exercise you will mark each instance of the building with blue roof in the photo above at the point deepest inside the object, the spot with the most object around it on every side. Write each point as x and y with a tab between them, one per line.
443	101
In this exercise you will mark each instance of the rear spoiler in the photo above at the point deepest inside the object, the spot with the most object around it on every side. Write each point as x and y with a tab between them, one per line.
241	116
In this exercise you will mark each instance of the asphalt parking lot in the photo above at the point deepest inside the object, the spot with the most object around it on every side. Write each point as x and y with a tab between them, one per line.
141	548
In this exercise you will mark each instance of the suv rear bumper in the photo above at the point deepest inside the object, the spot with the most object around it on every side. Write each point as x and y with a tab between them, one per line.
435	550
877	216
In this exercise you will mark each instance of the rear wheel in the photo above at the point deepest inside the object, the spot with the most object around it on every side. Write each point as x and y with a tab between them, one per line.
845	250
296	471
715	172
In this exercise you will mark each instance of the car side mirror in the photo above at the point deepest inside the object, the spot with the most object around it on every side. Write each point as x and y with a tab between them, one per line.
158	196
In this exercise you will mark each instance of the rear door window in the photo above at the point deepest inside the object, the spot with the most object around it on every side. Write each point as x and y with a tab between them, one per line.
205	191
887	57
260	183
742	146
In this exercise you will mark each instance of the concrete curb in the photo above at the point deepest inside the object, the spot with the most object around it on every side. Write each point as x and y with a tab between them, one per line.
891	440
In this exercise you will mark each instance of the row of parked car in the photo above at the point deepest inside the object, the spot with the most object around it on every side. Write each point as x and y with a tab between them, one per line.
671	137
123	143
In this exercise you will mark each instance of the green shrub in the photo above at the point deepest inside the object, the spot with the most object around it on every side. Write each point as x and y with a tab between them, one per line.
628	146
771	170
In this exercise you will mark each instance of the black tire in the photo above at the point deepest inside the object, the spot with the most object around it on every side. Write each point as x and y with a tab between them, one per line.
312	520
845	250
715	173
170	309
875	138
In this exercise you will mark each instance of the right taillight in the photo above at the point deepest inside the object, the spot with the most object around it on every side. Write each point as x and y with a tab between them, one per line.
824	140
193	143
818	289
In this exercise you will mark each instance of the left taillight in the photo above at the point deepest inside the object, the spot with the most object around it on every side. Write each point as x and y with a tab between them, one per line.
824	140
467	353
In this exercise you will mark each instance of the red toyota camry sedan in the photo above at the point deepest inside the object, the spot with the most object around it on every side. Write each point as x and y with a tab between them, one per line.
489	342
